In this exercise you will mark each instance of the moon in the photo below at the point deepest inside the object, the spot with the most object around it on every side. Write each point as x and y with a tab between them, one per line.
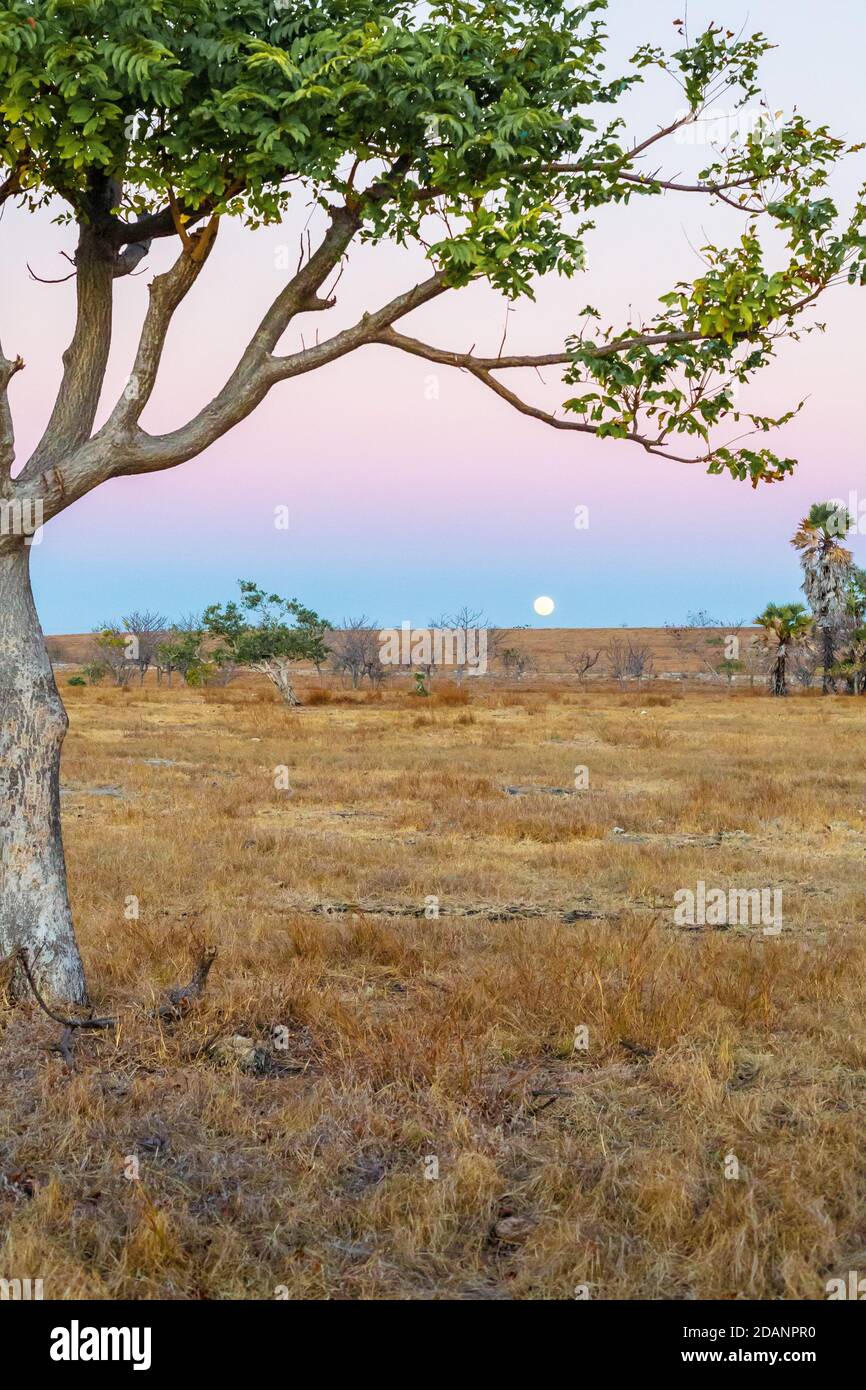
544	606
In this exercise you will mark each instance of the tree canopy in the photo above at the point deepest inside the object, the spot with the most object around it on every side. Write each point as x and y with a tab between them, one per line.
264	627
484	132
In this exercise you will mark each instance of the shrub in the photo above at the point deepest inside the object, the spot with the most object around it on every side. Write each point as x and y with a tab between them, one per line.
451	695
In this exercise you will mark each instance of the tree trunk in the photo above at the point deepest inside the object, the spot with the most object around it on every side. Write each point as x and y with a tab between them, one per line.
827	681
279	671
34	903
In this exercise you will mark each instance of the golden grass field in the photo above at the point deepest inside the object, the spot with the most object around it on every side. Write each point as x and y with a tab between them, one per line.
409	1038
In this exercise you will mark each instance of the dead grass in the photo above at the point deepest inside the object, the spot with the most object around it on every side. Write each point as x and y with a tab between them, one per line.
410	1037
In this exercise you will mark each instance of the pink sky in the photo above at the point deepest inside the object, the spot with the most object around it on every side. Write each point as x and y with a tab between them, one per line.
408	496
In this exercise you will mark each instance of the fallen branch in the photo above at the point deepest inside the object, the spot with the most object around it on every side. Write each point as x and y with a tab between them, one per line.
180	1000
21	955
64	1047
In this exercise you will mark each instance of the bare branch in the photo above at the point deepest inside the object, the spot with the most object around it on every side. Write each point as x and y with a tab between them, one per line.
465	359
483	367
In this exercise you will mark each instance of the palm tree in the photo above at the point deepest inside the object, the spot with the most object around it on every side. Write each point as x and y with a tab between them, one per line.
851	662
827	567
785	625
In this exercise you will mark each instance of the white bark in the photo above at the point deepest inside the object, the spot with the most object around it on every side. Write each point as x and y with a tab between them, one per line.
34	903
278	670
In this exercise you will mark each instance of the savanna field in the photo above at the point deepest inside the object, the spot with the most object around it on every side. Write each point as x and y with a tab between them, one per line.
409	1116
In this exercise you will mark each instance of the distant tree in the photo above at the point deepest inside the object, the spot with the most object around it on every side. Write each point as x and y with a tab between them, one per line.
628	660
784	627
638	661
112	650
617	661
804	662
355	651
468	624
729	668
850	635
173	646
268	634
827	571
516	663
147	630
181	650
700	637
582	662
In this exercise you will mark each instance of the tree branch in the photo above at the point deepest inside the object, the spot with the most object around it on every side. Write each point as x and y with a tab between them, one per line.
121	451
166	293
86	358
7	429
715	190
483	367
468	362
253	378
12	183
300	293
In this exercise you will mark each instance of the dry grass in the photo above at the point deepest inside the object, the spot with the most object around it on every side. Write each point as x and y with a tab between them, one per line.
409	1037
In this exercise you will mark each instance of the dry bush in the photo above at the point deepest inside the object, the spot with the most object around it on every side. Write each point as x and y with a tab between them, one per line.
449	693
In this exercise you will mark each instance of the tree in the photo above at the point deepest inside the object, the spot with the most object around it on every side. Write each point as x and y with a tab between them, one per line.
473	641
268	634
147	629
851	634
617	661
827	568
465	129
628	661
111	649
181	650
180	647
697	638
803	664
729	668
784	626
516	662
355	651
582	662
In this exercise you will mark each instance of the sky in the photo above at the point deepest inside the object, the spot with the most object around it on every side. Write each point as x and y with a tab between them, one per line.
411	490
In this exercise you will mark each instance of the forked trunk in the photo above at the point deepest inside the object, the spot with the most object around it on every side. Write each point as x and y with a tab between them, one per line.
34	902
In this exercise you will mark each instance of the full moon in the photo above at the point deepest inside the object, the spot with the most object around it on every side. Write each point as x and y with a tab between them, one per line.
544	606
